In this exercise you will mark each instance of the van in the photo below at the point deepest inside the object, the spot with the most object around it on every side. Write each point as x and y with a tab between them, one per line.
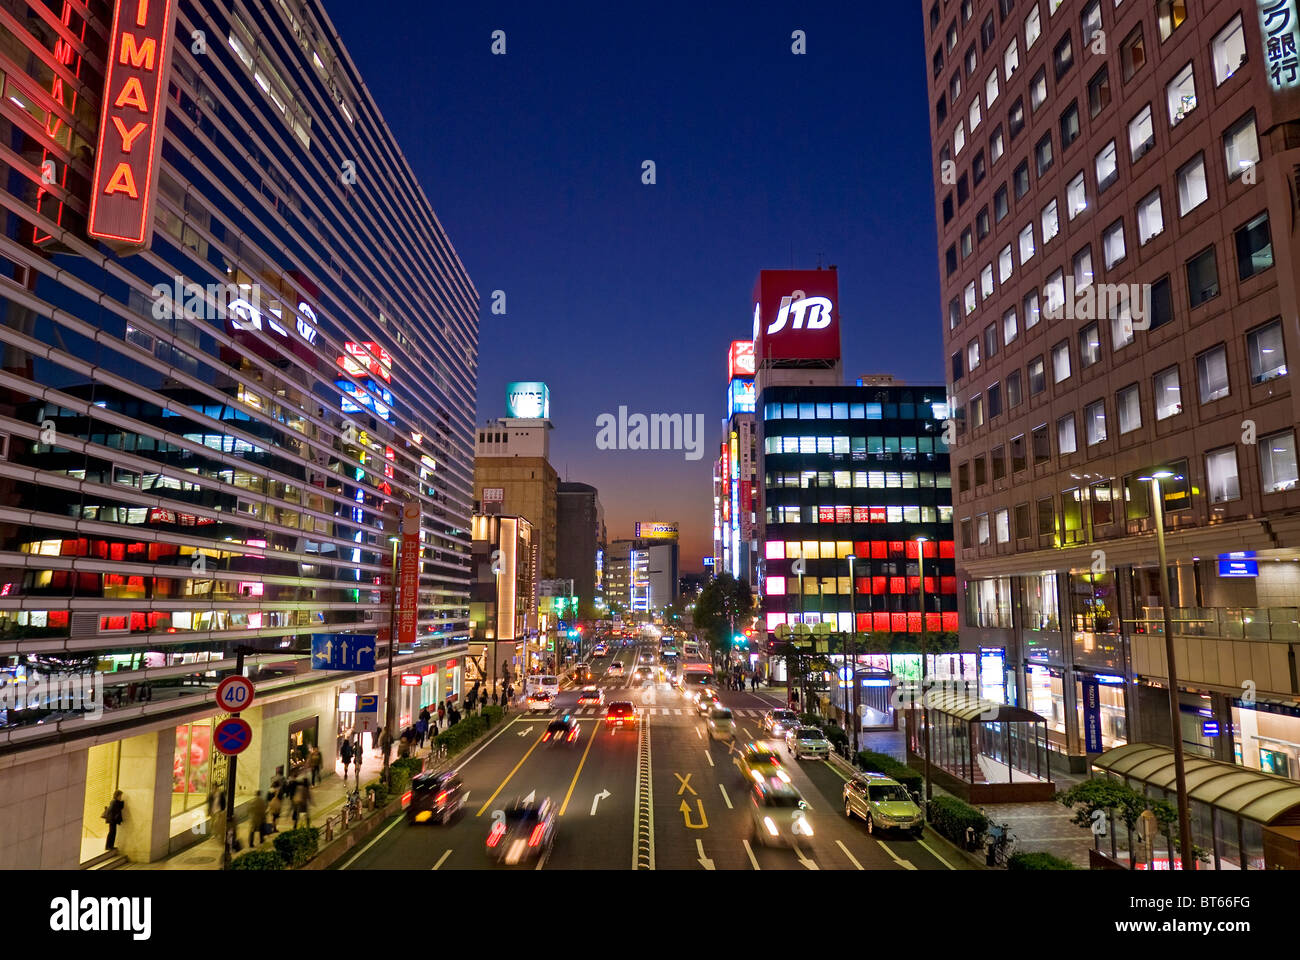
538	681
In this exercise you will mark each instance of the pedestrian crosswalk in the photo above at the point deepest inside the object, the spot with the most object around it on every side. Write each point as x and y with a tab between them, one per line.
649	711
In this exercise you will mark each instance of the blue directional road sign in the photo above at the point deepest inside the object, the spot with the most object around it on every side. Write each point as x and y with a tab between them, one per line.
562	625
233	735
368	703
343	651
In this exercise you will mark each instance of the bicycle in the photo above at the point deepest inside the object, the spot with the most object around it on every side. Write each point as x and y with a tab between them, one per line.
1001	842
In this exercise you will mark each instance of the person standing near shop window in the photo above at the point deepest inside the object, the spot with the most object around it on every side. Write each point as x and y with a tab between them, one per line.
113	814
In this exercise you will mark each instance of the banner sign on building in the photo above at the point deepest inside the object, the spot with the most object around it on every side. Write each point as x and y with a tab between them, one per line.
655	530
494	494
409	575
740	397
1091	715
1241	563
740	359
528	400
796	315
124	183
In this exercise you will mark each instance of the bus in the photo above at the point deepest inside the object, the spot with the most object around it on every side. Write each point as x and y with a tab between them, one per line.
694	675
691	649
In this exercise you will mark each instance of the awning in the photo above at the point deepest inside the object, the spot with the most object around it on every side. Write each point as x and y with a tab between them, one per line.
965	707
1262	797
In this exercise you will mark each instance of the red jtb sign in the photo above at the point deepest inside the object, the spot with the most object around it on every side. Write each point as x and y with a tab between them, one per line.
130	123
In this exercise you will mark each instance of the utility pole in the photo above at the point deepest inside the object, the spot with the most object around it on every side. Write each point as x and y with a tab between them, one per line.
232	769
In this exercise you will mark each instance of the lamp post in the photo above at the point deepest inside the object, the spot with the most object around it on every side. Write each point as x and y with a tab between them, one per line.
853	653
925	700
392	642
1175	714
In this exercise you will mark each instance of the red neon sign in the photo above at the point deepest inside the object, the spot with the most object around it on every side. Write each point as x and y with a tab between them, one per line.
55	128
122	191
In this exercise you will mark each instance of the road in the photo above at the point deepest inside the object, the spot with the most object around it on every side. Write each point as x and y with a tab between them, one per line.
692	804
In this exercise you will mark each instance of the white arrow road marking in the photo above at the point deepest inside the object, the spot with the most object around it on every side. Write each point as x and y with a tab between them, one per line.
709	757
905	864
441	860
528	800
807	863
726	799
749	850
852	858
603	795
525	731
704	861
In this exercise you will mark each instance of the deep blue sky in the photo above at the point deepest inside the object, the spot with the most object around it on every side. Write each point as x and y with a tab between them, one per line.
623	293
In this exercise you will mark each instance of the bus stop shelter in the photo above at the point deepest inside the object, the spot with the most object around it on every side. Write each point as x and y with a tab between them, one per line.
983	751
1242	819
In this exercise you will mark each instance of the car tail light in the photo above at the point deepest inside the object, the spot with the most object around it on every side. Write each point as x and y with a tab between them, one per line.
442	797
546	735
536	836
406	798
498	831
573	735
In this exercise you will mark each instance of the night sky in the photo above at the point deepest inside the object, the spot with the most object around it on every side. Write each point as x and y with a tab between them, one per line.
620	293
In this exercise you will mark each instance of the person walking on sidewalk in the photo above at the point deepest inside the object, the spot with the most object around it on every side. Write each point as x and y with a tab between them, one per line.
113	815
345	754
301	802
315	759
274	806
421	729
256	819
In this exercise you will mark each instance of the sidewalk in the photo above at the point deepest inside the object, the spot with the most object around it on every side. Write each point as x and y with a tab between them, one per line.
327	798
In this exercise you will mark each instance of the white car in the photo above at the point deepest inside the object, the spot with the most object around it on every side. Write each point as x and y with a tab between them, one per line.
779	722
591	695
616	669
539	701
807	742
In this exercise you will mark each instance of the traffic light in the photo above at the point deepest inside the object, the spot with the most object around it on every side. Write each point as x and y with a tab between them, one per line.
739	640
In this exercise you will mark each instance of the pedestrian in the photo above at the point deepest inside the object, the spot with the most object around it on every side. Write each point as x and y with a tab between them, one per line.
113	816
421	728
345	754
315	759
256	819
277	781
274	806
495	700
301	800
442	714
403	747
385	742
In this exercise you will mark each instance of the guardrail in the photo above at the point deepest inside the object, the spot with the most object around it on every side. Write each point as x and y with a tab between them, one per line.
1276	624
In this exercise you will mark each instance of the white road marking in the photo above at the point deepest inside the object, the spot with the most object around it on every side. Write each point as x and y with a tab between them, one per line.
935	854
698	734
441	860
852	858
749	850
905	864
709	757
725	799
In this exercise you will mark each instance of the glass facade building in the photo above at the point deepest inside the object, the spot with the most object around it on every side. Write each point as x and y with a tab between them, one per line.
206	438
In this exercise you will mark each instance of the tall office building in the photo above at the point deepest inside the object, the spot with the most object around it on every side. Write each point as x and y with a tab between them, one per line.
1116	218
580	540
512	467
236	338
735	480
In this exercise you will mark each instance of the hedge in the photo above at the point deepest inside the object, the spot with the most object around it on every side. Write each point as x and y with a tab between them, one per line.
1037	861
883	763
295	847
951	817
258	860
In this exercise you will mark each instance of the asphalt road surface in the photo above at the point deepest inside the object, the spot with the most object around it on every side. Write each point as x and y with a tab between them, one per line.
690	810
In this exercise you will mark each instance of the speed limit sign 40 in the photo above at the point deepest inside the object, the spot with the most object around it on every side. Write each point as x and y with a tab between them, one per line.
235	694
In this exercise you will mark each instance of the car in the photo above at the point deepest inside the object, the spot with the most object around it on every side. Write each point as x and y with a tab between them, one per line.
778	814
645	658
720	724
621	713
706	701
539	701
435	797
581	673
807	742
590	694
777	722
615	669
883	803
644	673
759	764
561	730
524	833
599	650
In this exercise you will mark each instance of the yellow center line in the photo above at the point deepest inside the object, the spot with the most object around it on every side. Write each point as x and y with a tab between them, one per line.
488	803
591	738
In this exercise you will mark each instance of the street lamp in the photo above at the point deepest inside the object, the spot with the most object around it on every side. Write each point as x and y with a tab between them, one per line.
853	652
1175	713
925	700
392	641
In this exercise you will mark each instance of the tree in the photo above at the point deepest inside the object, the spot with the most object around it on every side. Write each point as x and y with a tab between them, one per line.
725	604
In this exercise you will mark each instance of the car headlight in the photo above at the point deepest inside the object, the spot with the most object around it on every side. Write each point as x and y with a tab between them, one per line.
771	827
783	776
